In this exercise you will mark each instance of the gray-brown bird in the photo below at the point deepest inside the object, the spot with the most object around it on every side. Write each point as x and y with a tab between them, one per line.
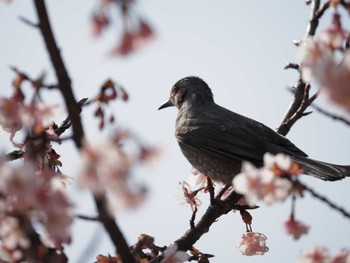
216	140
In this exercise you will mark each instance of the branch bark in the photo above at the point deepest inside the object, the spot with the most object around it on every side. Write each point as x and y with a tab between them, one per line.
64	81
300	89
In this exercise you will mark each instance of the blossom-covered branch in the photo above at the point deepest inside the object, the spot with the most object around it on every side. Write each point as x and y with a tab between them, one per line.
74	109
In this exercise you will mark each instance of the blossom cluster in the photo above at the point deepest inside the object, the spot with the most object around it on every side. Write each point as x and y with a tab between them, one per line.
295	228
15	115
252	243
136	30
321	255
326	61
35	195
266	183
106	169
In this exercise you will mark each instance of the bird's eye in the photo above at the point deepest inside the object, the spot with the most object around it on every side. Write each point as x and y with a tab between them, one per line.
175	89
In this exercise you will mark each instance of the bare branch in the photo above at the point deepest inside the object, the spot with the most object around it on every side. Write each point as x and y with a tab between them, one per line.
88	218
113	230
313	21
324	199
63	78
328	114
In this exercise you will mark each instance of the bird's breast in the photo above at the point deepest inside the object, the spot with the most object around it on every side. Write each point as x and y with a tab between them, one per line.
209	165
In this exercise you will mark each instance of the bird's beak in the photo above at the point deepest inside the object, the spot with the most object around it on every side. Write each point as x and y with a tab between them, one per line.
166	104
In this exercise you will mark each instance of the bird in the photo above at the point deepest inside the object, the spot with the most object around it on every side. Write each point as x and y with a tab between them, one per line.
216	141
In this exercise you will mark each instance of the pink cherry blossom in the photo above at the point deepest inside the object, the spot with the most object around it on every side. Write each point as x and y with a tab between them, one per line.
173	255
106	168
10	116
197	179
264	183
342	257
295	228
57	217
37	195
12	237
190	196
324	61
314	255
248	183
252	244
103	166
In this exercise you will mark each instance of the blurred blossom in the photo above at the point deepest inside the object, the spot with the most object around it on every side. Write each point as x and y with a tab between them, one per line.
314	255
324	60
342	257
35	117
136	31
295	228
252	244
12	237
35	194
334	36
103	166
106	168
100	21
265	183
10	116
172	255
38	116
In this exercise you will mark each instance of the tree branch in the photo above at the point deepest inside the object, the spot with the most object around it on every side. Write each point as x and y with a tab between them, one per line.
314	18
300	102
323	199
74	110
296	110
213	212
63	78
330	115
113	230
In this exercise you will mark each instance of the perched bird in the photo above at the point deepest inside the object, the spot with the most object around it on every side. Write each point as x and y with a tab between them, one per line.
216	140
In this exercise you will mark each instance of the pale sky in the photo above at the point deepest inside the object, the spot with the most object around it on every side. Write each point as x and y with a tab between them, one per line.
239	48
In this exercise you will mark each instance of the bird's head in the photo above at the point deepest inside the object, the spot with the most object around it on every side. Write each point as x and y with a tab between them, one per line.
190	91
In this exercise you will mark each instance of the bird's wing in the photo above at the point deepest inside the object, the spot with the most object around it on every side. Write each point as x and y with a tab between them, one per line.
240	140
225	144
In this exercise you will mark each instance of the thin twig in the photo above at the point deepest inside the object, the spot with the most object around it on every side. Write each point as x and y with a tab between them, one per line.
328	114
33	81
88	218
193	217
28	22
325	200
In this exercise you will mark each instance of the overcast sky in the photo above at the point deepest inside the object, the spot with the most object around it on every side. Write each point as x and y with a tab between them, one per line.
240	49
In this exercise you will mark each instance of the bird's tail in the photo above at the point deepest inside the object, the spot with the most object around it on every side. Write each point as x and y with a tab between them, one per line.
322	170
